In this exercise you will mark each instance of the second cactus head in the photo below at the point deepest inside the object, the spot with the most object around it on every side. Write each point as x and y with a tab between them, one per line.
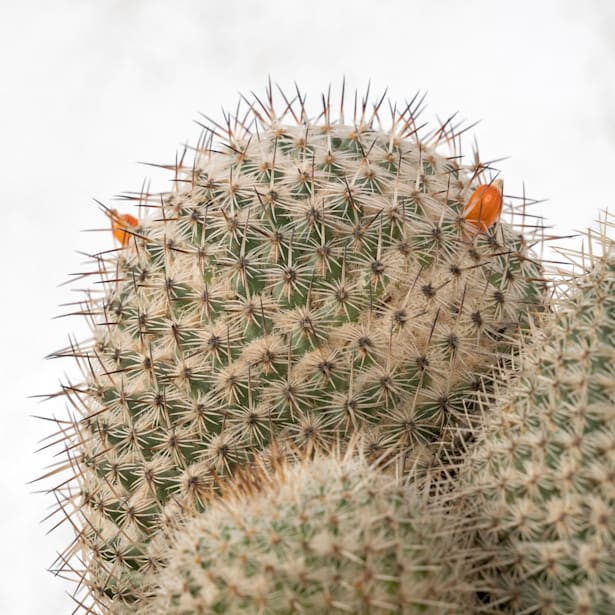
325	535
539	486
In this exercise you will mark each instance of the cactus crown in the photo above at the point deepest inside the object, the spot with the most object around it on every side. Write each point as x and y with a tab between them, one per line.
308	279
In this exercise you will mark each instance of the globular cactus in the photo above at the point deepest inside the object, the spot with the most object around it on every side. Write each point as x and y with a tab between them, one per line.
325	535
540	485
307	280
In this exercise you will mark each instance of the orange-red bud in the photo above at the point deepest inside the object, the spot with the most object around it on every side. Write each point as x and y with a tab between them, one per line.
484	206
119	224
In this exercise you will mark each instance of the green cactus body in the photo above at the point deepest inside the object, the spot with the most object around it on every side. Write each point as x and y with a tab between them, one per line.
541	482
321	536
305	282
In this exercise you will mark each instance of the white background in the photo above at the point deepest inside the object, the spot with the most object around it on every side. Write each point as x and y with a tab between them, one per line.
87	88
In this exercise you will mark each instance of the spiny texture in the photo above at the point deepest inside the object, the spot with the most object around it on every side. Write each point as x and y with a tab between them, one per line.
541	482
307	280
322	536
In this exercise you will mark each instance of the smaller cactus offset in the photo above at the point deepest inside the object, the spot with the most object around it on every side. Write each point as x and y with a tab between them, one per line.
325	535
540	485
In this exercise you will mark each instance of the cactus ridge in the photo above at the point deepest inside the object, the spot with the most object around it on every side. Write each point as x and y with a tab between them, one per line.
306	280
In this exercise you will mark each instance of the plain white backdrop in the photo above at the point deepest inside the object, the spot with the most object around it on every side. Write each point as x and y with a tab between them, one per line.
89	88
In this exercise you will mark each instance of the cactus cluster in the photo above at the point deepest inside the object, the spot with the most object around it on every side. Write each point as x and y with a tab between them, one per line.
324	535
539	487
318	281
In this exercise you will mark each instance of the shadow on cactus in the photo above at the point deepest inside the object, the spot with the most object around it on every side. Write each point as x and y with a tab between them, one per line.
307	279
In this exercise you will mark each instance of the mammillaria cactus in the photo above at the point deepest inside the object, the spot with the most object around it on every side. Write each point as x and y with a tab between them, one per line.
307	280
325	535
540	485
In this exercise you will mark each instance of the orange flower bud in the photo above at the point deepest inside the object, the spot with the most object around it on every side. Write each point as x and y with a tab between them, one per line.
119	224
484	206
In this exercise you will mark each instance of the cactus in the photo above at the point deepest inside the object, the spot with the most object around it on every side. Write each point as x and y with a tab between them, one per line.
307	280
539	487
325	535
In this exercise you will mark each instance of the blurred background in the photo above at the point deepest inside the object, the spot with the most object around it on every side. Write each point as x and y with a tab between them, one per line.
90	88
